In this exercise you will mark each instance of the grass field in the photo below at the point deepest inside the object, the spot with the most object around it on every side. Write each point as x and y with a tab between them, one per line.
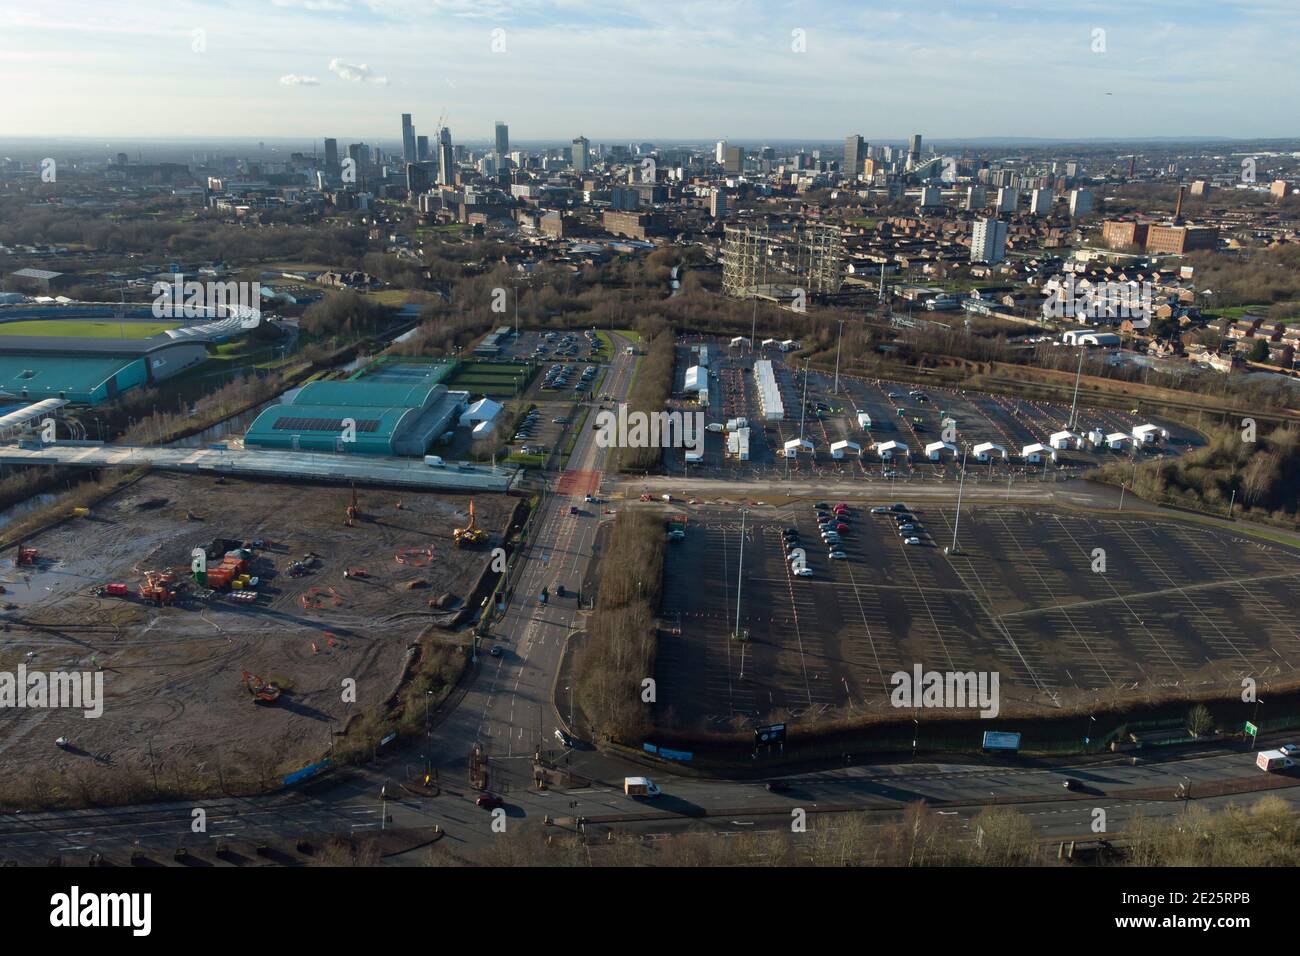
88	329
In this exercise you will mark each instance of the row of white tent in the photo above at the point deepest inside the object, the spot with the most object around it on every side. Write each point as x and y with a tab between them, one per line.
1033	453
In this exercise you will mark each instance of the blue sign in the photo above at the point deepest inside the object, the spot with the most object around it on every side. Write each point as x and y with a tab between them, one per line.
306	773
666	754
996	740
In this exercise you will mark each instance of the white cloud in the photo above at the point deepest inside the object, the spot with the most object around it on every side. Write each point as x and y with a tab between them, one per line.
293	79
330	6
355	72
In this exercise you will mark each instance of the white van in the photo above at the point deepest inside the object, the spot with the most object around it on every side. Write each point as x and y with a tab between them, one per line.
433	461
640	787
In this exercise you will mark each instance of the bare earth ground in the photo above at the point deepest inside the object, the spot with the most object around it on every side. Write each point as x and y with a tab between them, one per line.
172	676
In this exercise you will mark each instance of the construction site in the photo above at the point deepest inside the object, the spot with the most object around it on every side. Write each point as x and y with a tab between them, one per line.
759	261
239	626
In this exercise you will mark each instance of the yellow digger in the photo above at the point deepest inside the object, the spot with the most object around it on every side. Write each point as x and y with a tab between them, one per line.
471	534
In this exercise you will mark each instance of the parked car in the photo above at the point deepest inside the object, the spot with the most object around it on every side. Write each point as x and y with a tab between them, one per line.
837	555
879	510
489	801
804	572
912	540
841	527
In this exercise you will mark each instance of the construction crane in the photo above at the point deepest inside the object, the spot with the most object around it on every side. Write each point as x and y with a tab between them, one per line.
471	534
263	691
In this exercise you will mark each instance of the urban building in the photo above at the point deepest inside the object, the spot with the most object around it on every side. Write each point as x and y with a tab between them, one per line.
1080	203
988	240
855	151
409	153
579	154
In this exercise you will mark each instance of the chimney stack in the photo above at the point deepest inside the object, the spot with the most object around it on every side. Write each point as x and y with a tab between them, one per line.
1178	210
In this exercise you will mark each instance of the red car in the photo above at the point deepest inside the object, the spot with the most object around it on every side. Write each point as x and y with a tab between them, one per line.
841	527
489	801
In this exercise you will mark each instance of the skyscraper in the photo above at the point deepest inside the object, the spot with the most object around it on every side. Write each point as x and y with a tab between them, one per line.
579	154
914	150
720	152
855	151
446	159
503	141
988	241
735	161
331	155
422	147
408	139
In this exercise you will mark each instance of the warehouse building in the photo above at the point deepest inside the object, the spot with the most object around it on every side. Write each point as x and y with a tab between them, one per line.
389	419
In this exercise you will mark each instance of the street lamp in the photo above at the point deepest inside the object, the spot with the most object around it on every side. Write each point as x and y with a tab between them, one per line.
961	484
839	341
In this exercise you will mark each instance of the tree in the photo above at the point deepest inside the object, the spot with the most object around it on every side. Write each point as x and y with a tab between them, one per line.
1200	721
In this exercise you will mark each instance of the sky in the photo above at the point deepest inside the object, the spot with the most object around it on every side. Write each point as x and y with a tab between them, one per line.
633	70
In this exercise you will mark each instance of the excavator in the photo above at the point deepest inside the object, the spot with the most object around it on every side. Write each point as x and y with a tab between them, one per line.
353	509
471	534
263	691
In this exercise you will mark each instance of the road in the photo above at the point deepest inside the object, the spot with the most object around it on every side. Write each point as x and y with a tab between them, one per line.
509	709
352	804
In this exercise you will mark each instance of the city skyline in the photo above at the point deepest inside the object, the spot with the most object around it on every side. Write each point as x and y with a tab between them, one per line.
644	71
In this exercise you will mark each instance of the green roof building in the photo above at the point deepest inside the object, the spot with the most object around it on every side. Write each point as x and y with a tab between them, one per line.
387	419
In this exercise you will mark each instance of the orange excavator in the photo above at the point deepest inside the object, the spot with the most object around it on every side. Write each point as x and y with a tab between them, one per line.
157	588
263	691
471	534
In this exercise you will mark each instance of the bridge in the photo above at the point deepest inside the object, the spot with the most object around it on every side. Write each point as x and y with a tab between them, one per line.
265	463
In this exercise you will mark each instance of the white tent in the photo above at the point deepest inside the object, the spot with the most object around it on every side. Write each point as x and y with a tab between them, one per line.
1034	454
482	430
840	447
1096	438
1063	440
1146	434
987	449
1117	440
796	445
739	341
864	421
934	451
484	410
890	450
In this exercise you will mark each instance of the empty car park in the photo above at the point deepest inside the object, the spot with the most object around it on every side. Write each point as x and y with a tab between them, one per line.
1177	605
